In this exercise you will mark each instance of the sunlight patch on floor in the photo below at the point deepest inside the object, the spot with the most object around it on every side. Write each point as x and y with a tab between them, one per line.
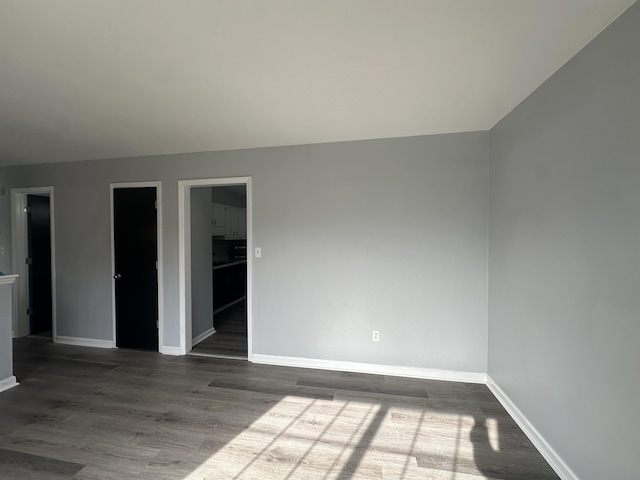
299	439
492	433
284	444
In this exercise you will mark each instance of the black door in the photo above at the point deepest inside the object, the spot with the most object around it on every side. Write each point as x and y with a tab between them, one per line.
39	252
136	276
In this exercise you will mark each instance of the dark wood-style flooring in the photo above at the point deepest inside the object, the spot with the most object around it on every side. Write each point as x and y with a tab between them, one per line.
230	339
86	413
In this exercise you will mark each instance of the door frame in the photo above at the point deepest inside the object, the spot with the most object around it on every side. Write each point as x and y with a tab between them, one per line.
19	251
184	255
158	186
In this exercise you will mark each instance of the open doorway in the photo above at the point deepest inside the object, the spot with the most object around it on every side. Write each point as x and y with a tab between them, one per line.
33	248
215	270
39	265
219	271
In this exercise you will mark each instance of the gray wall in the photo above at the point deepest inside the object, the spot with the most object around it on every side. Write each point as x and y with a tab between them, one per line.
201	258
564	303
381	234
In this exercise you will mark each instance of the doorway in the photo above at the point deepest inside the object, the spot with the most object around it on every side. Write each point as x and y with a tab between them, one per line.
136	261
33	251
218	260
39	265
219	271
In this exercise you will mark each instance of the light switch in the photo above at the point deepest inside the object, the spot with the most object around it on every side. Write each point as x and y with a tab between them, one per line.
258	252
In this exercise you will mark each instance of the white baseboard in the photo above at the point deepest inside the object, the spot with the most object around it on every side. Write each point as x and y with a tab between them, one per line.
203	336
549	454
170	350
84	342
8	383
396	371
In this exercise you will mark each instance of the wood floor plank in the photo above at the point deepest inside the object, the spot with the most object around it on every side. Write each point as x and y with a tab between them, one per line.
15	464
266	386
361	383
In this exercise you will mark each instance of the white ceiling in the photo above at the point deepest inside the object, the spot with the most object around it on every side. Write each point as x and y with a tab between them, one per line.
86	79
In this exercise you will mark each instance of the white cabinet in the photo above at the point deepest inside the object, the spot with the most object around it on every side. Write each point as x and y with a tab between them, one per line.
243	223
236	223
218	219
228	221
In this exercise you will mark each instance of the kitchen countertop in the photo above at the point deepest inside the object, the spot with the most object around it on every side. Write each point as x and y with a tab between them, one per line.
228	263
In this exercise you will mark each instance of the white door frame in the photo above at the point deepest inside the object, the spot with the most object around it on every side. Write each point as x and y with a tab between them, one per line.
184	256
158	187
19	251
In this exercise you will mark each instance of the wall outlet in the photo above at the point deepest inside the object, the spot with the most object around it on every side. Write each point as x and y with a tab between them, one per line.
376	336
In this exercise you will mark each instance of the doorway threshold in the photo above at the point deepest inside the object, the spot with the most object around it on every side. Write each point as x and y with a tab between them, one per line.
42	335
218	355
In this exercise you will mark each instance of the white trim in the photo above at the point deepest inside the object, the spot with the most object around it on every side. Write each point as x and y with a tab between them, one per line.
184	255
170	350
84	342
158	187
184	267
19	239
203	336
8	279
549	454
393	370
8	383
249	199
160	247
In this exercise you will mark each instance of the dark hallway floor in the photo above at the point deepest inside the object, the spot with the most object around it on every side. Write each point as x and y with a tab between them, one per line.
230	339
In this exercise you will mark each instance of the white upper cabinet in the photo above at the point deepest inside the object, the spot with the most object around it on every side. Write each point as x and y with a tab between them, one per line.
236	223
228	221
218	219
